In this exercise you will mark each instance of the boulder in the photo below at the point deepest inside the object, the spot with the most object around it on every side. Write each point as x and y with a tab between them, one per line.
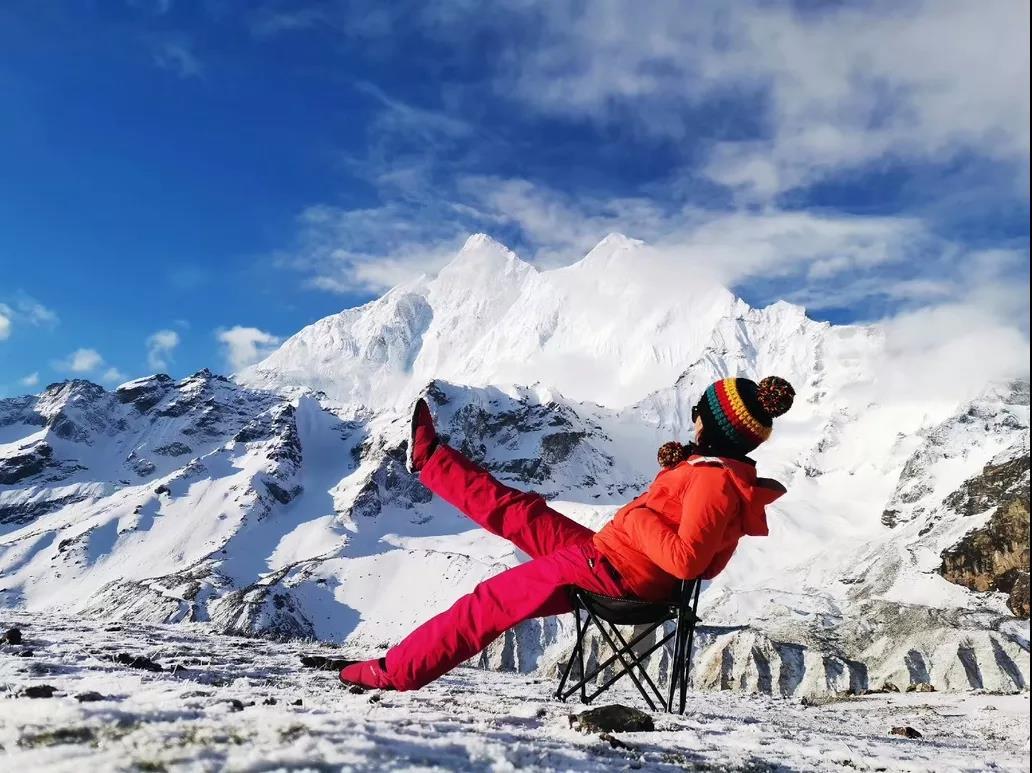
137	661
12	636
612	719
906	731
39	691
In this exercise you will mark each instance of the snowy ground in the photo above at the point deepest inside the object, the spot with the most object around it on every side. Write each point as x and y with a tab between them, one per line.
225	703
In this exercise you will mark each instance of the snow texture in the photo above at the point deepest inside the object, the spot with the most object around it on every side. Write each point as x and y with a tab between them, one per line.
227	703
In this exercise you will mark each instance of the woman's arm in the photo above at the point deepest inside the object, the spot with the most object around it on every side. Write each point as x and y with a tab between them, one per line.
720	560
708	501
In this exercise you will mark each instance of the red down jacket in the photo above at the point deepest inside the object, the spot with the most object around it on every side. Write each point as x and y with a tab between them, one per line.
687	524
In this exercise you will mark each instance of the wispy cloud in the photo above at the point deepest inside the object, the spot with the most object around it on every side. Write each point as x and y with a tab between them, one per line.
243	346
160	346
34	312
178	57
30	380
24	309
156	7
267	21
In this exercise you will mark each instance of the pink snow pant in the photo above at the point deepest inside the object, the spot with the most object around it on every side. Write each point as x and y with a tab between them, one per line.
562	554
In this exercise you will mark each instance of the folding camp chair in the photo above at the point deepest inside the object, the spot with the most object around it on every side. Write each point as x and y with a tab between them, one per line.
606	613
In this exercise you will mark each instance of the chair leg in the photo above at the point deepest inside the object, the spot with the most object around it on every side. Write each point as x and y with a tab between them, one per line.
688	645
675	659
638	661
609	682
600	667
581	631
568	669
619	653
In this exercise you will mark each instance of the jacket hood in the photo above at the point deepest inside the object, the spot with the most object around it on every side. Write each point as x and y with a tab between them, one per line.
757	493
763	492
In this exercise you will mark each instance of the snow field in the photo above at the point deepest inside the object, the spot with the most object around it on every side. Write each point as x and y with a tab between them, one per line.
184	718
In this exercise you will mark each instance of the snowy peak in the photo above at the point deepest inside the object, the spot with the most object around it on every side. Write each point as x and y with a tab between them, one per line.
482	267
613	247
618	324
482	246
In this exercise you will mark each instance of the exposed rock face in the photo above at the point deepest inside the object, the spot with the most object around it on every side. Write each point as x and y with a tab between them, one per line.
997	484
994	557
24	465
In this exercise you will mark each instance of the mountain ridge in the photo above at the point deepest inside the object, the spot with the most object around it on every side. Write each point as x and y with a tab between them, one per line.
269	506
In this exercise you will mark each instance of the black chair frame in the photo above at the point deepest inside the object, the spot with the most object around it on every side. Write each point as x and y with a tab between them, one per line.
606	613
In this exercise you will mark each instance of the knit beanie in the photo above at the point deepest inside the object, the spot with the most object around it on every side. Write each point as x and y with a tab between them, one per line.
738	414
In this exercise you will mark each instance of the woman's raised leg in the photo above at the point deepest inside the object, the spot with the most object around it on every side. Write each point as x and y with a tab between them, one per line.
522	517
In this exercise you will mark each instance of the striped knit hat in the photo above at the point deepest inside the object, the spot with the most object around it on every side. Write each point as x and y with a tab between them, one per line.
737	414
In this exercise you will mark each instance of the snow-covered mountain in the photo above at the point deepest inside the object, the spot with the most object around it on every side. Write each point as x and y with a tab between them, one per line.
278	503
610	328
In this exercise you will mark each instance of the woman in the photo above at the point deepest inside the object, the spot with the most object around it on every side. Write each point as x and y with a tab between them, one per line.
686	525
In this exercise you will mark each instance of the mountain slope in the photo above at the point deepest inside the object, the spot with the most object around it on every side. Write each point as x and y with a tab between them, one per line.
276	510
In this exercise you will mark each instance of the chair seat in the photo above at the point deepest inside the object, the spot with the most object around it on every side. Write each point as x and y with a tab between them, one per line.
621	611
606	614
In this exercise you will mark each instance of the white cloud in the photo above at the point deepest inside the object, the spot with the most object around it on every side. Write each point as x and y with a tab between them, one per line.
82	361
828	89
160	346
818	89
243	346
5	323
113	376
30	380
819	259
732	245
950	351
837	87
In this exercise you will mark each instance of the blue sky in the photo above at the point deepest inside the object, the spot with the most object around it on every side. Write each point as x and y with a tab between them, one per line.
184	184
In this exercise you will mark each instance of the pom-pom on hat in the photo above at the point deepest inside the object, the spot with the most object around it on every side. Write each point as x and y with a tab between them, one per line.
738	414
